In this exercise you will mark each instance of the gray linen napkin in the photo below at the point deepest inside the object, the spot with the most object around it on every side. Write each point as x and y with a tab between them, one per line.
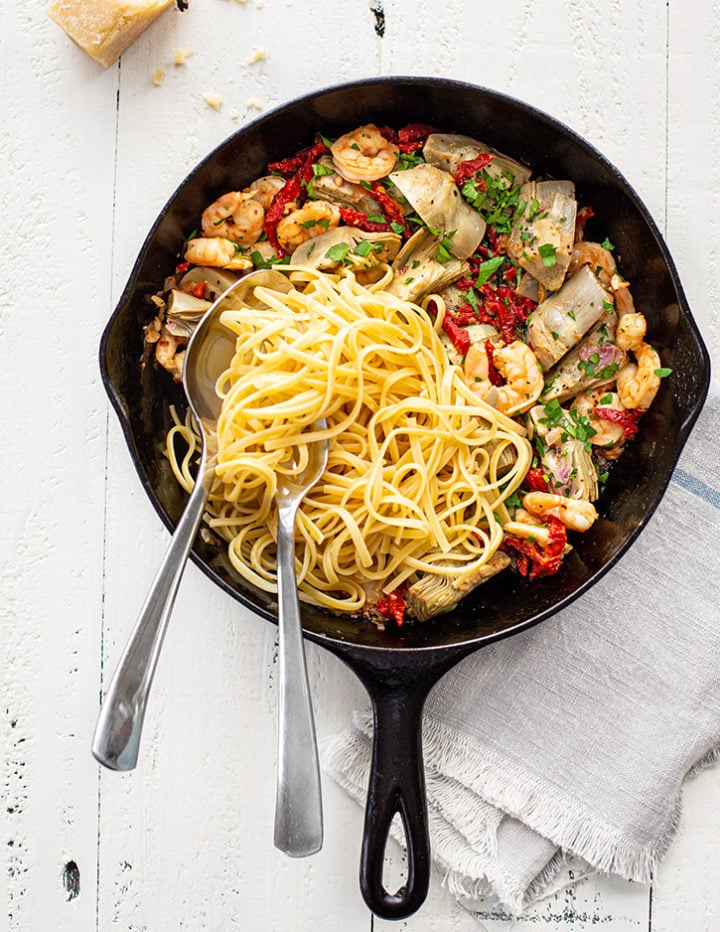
574	738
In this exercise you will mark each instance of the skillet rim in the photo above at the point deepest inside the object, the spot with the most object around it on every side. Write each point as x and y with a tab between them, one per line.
340	645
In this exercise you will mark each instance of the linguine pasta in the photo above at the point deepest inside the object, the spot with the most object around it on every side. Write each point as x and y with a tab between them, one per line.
419	467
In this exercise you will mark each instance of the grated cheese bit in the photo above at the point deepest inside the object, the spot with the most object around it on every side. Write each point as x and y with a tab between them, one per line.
158	76
213	100
234	114
257	55
254	103
181	56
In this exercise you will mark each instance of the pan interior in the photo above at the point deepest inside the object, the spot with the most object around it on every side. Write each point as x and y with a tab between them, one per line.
141	393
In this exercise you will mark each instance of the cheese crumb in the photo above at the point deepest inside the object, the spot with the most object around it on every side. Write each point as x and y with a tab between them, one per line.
159	76
255	103
213	100
181	56
105	28
260	4
257	55
235	114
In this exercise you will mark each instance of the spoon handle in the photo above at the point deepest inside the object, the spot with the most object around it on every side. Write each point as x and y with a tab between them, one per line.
119	726
298	803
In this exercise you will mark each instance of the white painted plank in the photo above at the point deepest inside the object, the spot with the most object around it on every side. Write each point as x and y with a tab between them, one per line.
57	165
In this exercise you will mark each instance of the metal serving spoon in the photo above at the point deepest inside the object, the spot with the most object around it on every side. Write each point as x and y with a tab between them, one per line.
117	734
298	803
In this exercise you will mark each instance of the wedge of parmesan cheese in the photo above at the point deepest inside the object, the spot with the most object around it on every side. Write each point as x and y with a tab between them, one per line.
105	28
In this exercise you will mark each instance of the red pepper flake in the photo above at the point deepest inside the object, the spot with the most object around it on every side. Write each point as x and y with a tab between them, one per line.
413	136
493	375
198	290
581	218
354	218
531	559
535	480
627	419
471	167
392	605
182	268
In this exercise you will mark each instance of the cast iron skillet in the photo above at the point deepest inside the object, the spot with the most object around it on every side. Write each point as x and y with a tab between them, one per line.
398	667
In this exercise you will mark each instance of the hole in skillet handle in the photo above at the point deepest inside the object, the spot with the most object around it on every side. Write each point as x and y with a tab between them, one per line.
396	787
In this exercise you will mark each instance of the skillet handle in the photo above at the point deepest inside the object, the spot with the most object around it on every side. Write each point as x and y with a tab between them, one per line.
397	786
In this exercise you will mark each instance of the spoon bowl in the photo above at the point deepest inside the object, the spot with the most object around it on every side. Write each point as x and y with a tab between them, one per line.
209	352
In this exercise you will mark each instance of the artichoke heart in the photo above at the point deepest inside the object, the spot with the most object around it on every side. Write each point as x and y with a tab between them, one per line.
417	271
183	313
437	199
434	594
216	281
594	362
347	247
560	321
571	471
449	150
543	235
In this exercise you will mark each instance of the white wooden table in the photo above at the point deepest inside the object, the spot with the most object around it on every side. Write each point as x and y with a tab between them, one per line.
88	158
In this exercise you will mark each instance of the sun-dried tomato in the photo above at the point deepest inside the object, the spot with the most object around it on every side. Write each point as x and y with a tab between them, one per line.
507	308
627	419
531	559
388	133
413	136
355	218
294	190
390	207
581	218
471	167
459	337
392	605
290	192
182	268
494	376
535	480
289	165
464	315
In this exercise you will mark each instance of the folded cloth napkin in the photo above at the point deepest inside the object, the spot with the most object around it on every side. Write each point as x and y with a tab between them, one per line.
574	738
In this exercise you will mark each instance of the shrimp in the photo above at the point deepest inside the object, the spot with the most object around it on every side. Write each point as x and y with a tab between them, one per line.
575	513
306	223
169	355
235	216
599	259
607	433
631	330
638	382
264	189
216	252
364	154
517	365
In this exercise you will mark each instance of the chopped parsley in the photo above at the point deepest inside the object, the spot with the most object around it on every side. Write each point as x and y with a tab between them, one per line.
487	268
606	244
338	252
547	252
663	373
